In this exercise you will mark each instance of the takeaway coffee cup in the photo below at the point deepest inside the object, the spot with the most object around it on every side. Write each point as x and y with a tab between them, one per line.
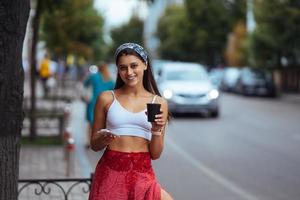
152	110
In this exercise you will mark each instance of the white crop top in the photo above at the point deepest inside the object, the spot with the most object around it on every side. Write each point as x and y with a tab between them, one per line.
123	122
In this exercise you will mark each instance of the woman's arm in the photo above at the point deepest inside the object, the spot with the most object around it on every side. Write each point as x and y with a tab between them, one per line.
158	130
100	141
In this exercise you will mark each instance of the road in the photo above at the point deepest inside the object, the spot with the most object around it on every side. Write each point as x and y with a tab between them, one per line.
251	152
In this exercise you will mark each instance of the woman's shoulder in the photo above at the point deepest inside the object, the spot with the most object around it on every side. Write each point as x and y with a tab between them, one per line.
160	100
157	98
106	97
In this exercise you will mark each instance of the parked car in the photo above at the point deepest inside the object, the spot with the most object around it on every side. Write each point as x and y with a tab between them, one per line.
187	88
157	64
255	82
229	79
216	76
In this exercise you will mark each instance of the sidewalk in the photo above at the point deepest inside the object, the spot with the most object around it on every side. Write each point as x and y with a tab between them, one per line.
44	162
49	162
290	98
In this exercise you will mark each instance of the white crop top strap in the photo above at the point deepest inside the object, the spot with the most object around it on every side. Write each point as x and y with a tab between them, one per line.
153	100
112	92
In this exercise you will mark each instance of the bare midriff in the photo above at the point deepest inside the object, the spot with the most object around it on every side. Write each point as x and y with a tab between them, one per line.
129	144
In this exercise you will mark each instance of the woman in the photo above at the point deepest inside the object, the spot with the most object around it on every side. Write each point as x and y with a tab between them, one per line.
125	171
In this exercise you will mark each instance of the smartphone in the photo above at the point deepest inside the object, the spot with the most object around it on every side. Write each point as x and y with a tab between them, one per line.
107	132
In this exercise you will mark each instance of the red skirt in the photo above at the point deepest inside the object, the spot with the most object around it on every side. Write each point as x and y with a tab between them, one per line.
124	176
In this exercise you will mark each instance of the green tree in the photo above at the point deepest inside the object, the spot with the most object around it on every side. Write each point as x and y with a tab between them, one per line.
212	21
39	7
198	31
129	32
277	33
43	8
235	53
172	32
74	27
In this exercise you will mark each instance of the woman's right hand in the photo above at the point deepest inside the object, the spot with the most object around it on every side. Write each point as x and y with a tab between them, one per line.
105	136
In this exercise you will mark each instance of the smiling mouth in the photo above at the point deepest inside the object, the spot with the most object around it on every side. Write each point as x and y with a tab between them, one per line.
130	78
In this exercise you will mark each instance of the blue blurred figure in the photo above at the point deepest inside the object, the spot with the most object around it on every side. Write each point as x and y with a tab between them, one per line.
100	80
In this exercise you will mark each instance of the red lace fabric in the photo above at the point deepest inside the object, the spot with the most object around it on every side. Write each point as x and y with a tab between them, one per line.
124	176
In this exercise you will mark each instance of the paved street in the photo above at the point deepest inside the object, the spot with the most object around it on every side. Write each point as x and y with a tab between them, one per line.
249	153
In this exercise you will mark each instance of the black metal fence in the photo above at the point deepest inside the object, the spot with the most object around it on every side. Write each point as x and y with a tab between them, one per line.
62	189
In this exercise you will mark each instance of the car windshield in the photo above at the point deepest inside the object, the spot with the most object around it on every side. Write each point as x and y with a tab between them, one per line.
186	75
255	74
232	73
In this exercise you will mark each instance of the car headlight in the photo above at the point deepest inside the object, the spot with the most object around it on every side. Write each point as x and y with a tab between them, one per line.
168	94
213	94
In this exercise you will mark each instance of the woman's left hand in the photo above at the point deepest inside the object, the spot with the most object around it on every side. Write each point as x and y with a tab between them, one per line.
159	122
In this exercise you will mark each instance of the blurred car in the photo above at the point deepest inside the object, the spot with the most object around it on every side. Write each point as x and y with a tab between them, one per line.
188	89
229	79
255	82
216	76
157	64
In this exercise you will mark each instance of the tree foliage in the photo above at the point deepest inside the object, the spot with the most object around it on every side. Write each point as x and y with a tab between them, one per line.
74	27
276	37
236	49
198	32
172	32
128	32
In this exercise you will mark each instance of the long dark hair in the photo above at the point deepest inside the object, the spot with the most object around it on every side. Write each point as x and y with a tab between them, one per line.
149	82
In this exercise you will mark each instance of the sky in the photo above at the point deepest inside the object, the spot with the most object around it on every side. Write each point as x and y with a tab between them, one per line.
117	12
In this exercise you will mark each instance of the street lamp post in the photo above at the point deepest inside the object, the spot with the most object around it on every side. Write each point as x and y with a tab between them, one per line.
250	17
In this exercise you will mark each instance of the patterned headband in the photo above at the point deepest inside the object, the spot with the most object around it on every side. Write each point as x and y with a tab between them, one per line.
137	48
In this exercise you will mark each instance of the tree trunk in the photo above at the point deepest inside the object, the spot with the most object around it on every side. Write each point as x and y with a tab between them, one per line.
13	19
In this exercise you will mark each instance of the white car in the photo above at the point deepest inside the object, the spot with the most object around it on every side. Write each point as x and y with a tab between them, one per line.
187	88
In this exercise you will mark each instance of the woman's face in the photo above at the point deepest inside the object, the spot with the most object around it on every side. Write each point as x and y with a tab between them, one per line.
131	69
